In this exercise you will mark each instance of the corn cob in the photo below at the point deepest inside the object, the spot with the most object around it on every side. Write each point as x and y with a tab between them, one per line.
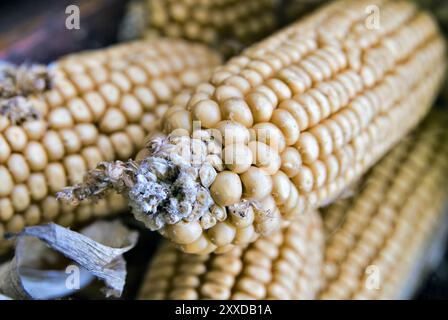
375	238
101	107
225	24
284	265
283	128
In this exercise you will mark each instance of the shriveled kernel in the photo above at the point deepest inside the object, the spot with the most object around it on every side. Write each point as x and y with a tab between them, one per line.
242	218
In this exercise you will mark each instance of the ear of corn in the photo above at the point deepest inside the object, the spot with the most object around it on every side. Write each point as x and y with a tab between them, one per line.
383	227
102	105
284	265
375	239
225	24
284	127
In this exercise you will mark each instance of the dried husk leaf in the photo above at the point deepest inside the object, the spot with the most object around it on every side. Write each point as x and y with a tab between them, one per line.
98	251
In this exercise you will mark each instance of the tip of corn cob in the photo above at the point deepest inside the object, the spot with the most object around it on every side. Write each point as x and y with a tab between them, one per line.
18	82
172	183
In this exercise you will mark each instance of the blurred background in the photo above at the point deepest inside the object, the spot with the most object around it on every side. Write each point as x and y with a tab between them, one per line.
34	31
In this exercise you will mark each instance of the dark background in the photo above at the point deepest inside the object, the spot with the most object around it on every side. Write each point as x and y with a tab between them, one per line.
34	31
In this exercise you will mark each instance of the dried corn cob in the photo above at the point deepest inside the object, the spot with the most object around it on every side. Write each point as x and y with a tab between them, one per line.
101	107
375	238
284	265
283	128
225	24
